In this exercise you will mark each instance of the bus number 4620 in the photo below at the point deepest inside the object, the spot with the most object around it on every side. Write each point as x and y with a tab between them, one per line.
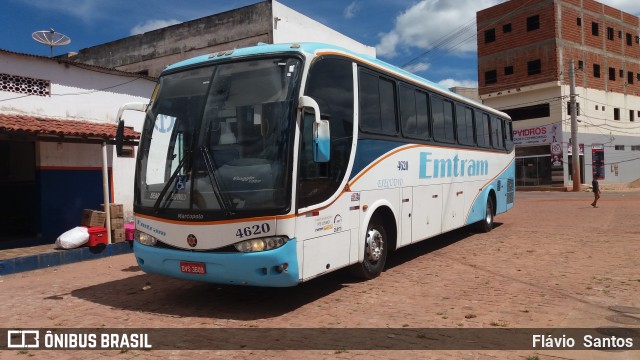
253	230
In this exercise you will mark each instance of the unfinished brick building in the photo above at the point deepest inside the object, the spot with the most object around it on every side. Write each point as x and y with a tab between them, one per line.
524	53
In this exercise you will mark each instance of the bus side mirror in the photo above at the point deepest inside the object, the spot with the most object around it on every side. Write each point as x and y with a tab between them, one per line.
321	141
321	131
120	130
119	137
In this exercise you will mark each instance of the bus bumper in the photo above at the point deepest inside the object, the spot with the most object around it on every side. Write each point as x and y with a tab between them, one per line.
254	269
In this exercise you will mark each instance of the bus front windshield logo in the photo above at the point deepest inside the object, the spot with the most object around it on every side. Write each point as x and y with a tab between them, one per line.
454	167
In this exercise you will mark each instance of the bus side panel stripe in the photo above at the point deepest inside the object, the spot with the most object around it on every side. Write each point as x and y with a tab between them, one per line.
368	152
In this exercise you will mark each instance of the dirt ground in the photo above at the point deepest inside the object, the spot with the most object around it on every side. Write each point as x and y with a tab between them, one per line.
551	262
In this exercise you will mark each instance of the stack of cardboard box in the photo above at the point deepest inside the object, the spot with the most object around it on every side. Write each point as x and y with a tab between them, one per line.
116	212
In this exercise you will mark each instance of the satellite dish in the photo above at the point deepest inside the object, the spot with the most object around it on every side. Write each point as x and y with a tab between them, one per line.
51	37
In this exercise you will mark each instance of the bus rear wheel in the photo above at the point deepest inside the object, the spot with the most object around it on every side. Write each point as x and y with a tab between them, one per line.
375	252
485	225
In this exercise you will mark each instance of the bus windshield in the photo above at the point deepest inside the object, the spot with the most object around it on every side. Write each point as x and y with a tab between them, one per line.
218	138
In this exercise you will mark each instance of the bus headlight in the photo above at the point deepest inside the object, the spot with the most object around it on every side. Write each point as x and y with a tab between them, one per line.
145	239
262	244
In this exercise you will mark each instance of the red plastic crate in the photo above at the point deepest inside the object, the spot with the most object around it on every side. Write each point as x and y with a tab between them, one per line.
97	236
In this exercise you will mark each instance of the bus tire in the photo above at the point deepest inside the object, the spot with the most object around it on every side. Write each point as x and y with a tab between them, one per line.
485	225
375	252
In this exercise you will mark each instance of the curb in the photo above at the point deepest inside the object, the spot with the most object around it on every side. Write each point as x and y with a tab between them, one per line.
62	257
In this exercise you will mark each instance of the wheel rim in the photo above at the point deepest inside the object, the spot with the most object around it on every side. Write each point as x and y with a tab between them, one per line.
489	217
375	244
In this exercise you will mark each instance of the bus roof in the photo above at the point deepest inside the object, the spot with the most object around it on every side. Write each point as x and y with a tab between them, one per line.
311	49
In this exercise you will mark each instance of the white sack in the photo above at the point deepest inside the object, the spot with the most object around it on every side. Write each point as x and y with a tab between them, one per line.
73	238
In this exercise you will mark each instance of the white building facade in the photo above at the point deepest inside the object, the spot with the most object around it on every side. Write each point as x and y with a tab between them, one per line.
54	116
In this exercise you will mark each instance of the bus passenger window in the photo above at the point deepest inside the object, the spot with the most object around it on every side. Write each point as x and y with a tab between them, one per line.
414	113
422	107
369	102
442	119
408	116
509	135
377	104
483	137
438	117
497	137
464	125
388	106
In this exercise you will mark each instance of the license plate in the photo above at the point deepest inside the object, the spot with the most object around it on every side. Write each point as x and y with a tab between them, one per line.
192	267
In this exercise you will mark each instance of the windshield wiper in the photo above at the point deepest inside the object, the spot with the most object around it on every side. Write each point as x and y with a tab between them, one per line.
185	159
220	196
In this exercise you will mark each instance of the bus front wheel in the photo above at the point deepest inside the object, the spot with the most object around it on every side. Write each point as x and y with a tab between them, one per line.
485	225
375	252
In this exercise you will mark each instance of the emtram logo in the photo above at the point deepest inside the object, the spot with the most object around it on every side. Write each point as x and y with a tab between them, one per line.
23	339
454	167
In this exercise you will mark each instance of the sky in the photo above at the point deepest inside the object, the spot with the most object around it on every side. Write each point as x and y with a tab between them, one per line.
431	38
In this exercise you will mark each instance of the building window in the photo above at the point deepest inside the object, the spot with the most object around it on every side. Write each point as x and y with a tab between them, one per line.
490	77
534	67
508	70
596	107
602	107
580	65
594	29
529	112
629	39
616	113
638	77
635	147
506	28
579	21
533	22
631	115
619	34
489	36
596	70
612	74
621	72
610	33
619	147
629	77
24	85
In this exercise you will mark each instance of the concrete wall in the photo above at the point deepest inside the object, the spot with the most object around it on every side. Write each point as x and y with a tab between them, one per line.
76	93
292	26
154	50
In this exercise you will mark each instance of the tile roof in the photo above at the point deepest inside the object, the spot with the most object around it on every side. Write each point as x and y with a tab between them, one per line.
38	125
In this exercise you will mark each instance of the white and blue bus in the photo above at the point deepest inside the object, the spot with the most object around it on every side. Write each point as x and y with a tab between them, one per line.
274	164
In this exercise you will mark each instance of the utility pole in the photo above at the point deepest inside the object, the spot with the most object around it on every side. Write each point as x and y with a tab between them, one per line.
575	152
